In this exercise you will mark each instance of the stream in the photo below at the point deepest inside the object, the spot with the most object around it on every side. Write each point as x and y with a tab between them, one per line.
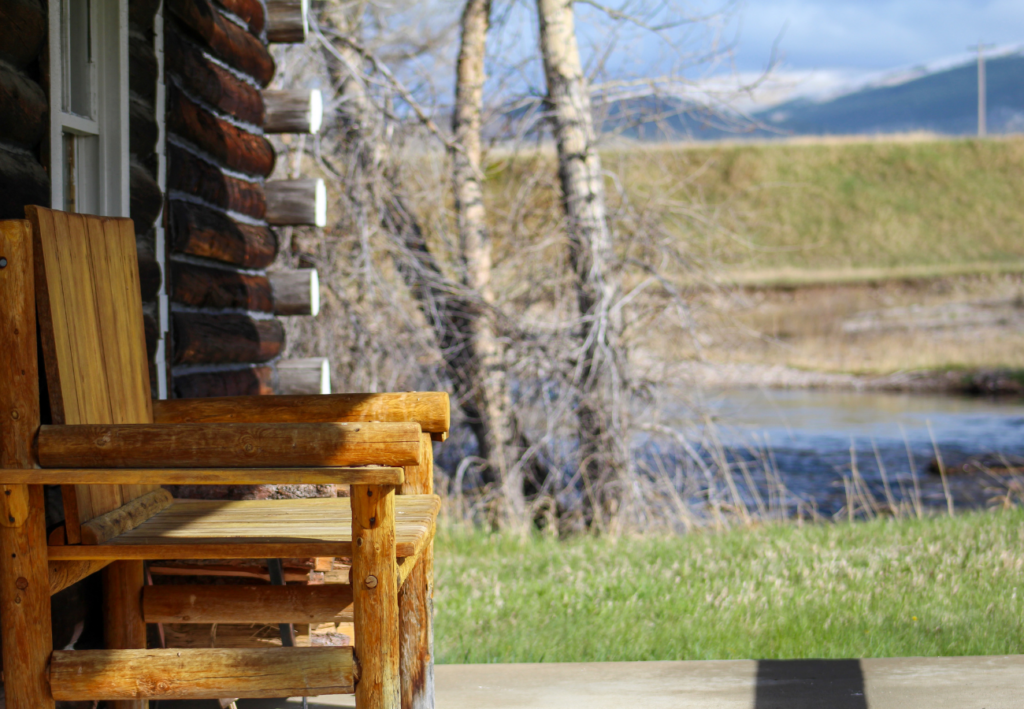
816	435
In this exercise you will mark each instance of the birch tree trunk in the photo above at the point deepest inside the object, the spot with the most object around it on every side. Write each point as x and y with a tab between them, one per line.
598	376
489	402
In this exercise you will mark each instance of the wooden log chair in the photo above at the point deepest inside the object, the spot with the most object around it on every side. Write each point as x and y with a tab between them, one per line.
110	447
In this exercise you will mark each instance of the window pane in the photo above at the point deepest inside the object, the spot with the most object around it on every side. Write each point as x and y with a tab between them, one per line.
78	65
81	173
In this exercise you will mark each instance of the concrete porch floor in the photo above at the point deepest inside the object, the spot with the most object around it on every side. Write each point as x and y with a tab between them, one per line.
900	683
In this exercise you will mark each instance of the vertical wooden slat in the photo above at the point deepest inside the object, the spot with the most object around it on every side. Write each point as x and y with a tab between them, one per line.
24	578
123	623
416	600
375	596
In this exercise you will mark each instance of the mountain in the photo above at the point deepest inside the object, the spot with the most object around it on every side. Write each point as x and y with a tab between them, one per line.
943	100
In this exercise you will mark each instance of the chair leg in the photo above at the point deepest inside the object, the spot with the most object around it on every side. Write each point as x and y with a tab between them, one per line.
375	596
25	598
124	627
416	601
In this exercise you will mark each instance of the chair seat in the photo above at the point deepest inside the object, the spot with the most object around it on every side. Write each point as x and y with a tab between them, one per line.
257	529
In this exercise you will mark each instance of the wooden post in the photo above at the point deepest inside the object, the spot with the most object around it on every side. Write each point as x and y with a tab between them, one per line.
375	596
296	292
296	202
416	600
24	576
123	625
293	111
307	376
286	21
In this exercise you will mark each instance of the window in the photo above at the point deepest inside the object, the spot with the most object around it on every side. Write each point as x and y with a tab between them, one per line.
89	106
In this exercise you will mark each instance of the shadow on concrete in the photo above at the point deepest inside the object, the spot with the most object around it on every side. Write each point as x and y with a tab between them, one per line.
809	684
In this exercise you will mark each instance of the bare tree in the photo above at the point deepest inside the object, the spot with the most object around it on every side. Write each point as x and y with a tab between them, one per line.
488	404
599	374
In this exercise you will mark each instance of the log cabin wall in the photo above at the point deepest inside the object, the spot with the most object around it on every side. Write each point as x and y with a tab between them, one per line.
23	107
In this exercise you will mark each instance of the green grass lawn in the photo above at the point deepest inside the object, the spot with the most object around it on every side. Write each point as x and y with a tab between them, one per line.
939	586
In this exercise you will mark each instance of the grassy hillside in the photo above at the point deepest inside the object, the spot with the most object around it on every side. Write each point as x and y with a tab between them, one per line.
942	586
828	204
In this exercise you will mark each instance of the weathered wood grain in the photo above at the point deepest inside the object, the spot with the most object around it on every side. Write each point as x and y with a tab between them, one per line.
416	599
229	445
213	84
22	181
375	596
296	292
293	111
66	573
257	529
237	148
430	410
305	376
201	231
202	674
203	287
229	42
24	578
192	175
23	107
128	516
334	475
123	625
145	198
22	31
249	11
246	604
251	381
296	202
200	338
286	21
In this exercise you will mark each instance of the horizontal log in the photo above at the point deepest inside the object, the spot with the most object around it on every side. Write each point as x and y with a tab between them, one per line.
246	604
361	475
145	198
203	287
151	331
236	148
228	445
150	277
307	376
201	231
212	83
429	409
231	338
142	128
296	202
195	176
67	573
296	292
229	42
23	107
293	111
249	11
143	71
141	13
83	675
287	21
22	181
22	31
128	516
252	381
244	569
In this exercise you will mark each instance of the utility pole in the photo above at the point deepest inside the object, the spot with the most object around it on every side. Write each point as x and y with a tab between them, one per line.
982	120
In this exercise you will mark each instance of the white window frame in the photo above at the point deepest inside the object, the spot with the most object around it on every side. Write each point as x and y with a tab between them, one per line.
109	122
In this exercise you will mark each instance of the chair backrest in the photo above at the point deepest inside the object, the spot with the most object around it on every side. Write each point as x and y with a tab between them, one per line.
91	328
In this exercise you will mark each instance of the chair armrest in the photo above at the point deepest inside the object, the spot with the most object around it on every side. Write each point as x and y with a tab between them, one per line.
369	475
229	445
431	410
